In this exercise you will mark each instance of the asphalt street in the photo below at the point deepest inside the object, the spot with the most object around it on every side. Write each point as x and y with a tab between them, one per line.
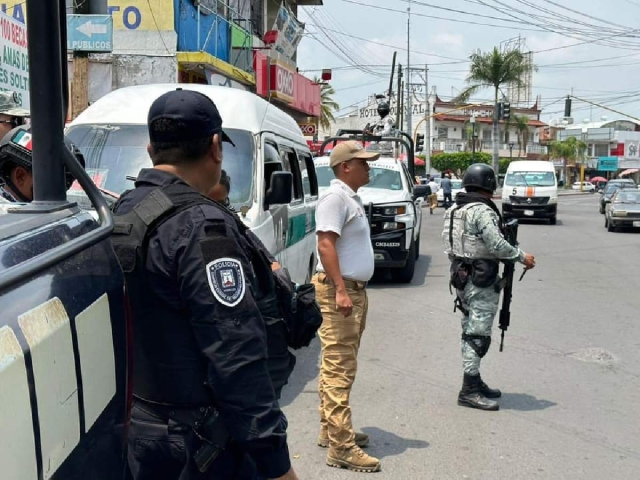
569	372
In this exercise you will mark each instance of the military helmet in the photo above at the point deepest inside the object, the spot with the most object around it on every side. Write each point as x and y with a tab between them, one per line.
383	109
16	149
482	176
10	105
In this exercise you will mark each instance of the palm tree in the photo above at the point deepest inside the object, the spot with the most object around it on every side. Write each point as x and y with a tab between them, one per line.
569	150
327	104
521	123
492	70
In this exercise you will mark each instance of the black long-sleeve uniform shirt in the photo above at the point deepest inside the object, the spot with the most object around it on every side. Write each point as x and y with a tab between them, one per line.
205	321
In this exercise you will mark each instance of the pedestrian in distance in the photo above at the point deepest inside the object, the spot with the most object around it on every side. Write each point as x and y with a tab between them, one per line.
446	190
204	405
474	239
433	197
346	264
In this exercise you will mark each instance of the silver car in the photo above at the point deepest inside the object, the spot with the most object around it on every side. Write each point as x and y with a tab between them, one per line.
623	210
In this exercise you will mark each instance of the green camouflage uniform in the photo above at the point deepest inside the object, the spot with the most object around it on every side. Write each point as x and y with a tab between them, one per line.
481	226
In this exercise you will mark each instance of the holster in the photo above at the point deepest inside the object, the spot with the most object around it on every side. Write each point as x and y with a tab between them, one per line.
215	438
460	271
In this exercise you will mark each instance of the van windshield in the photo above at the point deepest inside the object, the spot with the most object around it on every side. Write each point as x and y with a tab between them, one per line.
114	155
530	179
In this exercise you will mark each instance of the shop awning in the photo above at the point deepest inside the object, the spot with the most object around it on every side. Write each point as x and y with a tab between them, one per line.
629	171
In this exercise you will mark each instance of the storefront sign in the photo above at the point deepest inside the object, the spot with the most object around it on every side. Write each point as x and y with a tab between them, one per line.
14	69
222	81
308	129
282	81
632	150
141	14
608	164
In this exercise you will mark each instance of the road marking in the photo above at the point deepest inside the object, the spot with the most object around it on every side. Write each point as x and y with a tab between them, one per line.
48	333
17	455
97	362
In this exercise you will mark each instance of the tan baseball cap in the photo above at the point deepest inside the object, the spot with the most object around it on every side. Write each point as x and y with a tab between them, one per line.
345	151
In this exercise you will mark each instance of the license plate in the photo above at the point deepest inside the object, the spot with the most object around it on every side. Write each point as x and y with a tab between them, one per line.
636	223
529	213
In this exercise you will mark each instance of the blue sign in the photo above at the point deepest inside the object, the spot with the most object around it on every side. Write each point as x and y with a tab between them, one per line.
90	33
608	164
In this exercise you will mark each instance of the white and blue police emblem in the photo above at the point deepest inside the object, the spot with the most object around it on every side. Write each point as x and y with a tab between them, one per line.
226	280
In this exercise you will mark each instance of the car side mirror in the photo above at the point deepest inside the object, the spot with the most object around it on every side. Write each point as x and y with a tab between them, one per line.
421	191
280	188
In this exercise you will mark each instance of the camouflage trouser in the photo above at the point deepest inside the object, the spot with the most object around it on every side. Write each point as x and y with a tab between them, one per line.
482	305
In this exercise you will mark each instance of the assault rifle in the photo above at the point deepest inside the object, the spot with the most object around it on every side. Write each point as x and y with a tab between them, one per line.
511	235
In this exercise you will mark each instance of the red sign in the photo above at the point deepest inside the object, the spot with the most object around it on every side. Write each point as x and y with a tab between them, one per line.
282	82
308	129
306	93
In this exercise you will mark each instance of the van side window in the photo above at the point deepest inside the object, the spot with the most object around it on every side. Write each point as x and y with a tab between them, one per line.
291	164
271	164
308	171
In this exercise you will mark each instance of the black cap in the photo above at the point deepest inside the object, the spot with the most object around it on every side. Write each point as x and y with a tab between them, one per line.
198	115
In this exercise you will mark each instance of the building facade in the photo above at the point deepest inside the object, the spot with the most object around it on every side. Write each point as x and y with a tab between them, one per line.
244	44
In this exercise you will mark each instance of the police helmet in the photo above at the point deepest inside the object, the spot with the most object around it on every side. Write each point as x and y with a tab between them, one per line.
383	109
482	176
16	149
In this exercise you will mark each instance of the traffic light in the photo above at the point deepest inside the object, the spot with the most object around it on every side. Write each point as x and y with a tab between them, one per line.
567	107
420	143
506	111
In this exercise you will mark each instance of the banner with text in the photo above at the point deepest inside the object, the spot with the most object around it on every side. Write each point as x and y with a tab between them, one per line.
141	14
14	69
289	30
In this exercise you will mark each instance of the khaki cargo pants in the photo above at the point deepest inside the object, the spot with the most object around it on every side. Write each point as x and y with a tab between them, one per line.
340	340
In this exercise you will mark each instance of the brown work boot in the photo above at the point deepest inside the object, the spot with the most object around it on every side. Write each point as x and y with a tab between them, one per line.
353	459
362	439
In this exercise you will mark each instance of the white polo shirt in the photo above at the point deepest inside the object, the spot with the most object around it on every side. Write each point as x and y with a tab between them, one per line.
340	210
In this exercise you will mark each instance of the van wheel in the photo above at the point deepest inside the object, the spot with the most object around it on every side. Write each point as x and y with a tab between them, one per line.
405	274
553	220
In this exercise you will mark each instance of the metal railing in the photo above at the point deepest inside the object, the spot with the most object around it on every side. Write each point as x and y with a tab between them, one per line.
231	34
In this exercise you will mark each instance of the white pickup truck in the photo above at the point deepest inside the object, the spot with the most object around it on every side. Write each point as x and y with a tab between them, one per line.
394	207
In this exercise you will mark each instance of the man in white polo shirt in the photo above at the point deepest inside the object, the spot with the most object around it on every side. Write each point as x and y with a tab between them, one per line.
345	266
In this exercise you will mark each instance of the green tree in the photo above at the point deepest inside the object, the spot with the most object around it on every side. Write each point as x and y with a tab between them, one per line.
521	123
458	161
494	69
327	104
570	150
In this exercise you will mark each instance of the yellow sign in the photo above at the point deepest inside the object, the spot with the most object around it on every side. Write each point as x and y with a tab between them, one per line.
141	14
15	8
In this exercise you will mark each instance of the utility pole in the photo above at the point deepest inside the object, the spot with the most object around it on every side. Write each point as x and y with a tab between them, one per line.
427	128
408	79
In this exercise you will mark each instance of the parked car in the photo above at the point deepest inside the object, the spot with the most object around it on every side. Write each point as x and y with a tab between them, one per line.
456	187
610	190
623	210
584	186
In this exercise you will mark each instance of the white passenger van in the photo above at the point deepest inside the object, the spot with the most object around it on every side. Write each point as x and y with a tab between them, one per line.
112	134
530	190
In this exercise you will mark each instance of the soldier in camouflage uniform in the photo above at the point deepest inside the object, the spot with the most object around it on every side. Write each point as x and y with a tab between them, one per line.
384	127
475	243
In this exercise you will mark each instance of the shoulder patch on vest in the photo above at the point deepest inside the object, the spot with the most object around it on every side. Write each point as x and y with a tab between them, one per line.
226	280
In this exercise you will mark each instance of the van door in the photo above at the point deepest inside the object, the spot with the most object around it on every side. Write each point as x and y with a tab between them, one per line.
310	189
296	250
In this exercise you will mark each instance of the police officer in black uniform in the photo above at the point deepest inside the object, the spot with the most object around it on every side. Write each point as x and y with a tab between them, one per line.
204	401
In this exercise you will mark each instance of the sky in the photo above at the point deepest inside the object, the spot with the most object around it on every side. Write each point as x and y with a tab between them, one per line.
590	48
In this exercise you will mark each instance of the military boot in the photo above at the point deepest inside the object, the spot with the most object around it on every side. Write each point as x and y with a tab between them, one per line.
353	459
471	396
488	391
362	439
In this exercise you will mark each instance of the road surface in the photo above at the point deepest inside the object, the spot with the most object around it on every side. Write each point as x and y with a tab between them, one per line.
569	372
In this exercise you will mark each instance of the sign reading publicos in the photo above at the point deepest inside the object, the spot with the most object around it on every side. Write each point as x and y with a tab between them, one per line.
14	69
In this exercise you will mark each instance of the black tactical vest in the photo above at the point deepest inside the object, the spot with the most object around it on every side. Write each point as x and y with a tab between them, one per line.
175	372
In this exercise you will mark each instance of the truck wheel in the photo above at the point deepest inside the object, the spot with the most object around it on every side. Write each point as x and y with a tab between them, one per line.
405	274
553	220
